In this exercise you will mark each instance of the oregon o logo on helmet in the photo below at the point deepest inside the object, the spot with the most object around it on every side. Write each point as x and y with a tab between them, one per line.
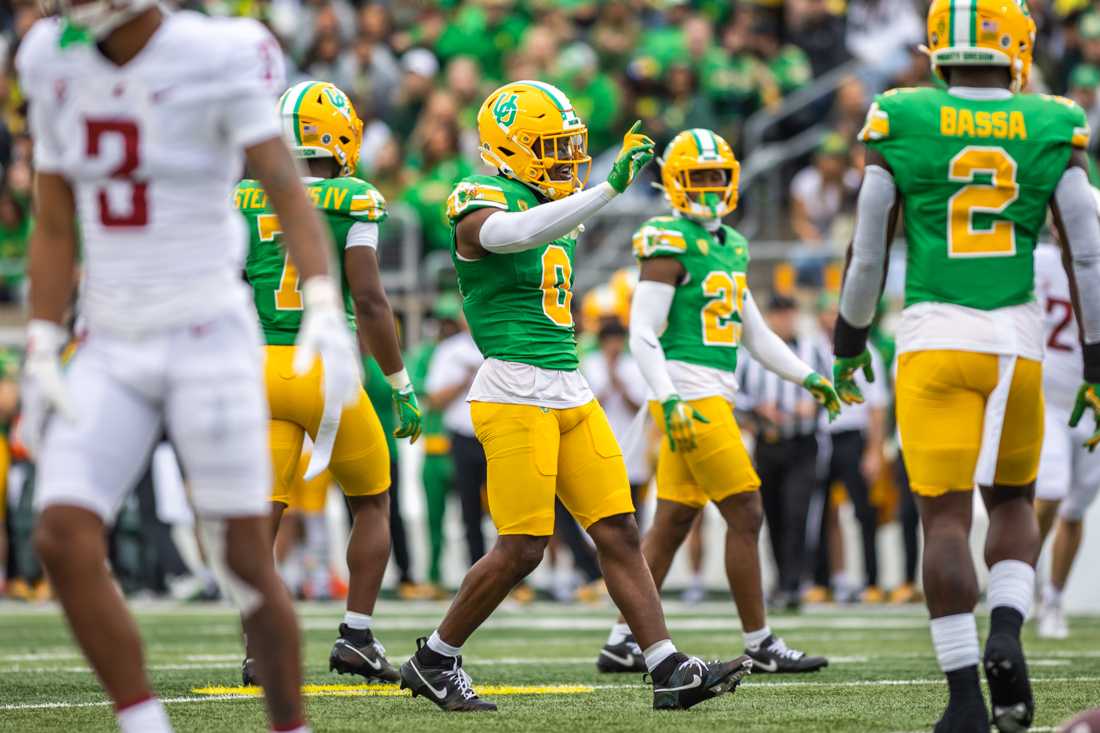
505	110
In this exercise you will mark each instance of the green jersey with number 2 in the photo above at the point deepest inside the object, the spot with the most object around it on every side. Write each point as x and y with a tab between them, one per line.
704	320
519	306
276	290
975	177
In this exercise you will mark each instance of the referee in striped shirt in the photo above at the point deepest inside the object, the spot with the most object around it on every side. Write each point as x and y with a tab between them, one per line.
787	420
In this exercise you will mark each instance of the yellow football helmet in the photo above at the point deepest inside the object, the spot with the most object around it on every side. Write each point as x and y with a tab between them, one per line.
622	284
320	122
530	132
982	33
686	158
598	304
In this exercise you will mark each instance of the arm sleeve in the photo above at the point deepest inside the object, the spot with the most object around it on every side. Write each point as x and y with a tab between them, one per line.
767	348
1077	208
863	279
516	231
248	108
648	315
362	234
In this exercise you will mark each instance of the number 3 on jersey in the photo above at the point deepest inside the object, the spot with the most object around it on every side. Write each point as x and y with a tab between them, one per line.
963	239
557	286
726	292
288	297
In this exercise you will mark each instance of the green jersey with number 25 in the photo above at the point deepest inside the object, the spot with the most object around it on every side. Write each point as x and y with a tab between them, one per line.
519	306
276	289
975	177
704	320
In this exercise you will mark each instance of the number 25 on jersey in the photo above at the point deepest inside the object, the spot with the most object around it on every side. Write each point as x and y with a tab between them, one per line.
726	292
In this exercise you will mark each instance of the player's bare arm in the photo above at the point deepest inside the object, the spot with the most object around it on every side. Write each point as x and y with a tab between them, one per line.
303	233
52	259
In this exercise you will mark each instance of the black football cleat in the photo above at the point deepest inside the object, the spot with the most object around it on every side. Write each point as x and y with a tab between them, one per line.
358	652
1009	685
693	681
626	656
248	672
964	717
448	686
773	655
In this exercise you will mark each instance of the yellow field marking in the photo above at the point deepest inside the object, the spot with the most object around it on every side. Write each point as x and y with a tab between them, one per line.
395	691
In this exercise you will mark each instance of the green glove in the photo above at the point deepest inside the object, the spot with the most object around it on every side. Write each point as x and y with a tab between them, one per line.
408	412
1088	398
635	154
823	392
844	375
680	420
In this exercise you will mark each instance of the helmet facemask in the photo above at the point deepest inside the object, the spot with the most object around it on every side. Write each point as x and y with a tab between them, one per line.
97	17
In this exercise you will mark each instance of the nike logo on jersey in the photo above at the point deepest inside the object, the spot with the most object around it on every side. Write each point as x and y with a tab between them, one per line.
376	665
696	681
771	666
441	694
625	661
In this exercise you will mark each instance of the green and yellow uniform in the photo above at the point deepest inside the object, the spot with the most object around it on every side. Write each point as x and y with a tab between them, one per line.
518	307
974	177
703	333
360	459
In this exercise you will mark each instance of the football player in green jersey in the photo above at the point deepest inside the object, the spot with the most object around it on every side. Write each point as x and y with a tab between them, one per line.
691	311
543	432
974	167
322	128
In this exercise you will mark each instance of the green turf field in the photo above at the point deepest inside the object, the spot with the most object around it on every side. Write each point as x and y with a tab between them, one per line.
882	677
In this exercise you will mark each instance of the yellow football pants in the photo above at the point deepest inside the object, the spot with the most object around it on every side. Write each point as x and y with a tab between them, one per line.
718	467
360	461
942	402
537	453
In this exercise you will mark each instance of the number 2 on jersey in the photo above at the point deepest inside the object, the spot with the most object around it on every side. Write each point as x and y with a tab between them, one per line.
999	240
726	291
288	297
557	288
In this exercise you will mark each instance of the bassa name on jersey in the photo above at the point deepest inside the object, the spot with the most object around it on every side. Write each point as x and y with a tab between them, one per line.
962	122
328	197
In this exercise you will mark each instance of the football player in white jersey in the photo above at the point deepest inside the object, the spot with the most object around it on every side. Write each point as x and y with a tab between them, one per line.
1069	472
142	120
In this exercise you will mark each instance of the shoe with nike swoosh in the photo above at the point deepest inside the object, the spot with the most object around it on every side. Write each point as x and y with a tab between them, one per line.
447	686
773	655
358	652
693	681
626	656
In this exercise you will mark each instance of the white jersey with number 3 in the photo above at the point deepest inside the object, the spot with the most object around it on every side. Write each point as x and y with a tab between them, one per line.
1063	361
152	150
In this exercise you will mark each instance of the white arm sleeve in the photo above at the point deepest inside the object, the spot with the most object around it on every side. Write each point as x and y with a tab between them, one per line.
767	348
648	316
863	280
362	234
1077	208
516	231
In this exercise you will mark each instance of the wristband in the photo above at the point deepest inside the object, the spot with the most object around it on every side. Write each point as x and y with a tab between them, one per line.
849	341
319	292
45	336
1091	353
399	380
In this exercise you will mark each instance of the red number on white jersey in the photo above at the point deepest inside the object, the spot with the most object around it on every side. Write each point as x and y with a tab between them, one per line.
138	215
1055	341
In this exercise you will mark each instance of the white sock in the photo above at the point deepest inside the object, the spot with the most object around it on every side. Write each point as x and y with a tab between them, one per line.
618	634
147	716
955	639
439	646
1052	596
359	621
299	729
658	653
1011	584
753	639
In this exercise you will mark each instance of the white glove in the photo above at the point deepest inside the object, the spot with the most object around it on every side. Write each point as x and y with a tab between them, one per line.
43	389
325	333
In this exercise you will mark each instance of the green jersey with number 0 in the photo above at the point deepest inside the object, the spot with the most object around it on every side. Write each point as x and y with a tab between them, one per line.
343	202
975	177
518	305
704	320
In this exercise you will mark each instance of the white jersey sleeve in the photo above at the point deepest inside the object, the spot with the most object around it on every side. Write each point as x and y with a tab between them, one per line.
257	78
30	64
1063	362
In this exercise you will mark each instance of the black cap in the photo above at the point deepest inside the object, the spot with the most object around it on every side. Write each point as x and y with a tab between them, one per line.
781	302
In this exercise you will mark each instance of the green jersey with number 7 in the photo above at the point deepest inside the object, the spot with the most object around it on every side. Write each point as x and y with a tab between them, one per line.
976	177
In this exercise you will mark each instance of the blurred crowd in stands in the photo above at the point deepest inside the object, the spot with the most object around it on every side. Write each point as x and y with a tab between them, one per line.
417	70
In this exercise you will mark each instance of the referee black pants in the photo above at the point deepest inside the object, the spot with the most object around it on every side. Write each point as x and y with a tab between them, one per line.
788	479
470	473
844	466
